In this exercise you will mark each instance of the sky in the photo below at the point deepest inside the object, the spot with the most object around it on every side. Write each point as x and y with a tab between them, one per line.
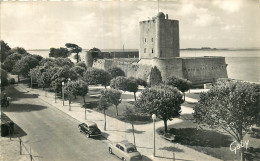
112	24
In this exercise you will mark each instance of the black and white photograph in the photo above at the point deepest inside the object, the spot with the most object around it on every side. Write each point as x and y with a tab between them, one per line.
130	80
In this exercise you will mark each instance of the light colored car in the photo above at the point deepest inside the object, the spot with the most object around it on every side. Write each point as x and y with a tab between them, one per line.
125	151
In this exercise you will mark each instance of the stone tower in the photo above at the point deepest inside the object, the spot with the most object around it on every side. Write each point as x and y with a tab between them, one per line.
159	38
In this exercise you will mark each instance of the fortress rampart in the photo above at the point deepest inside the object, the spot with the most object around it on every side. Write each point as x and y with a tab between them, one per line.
159	46
198	70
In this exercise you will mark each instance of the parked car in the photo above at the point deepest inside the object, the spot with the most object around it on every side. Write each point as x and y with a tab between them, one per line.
90	129
125	151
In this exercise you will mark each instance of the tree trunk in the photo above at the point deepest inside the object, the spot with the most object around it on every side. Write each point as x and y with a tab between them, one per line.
165	126
105	121
77	57
18	78
84	99
242	148
133	131
135	96
105	86
184	95
116	111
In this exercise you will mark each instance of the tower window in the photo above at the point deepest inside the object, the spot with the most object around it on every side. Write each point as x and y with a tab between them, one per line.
144	50
152	39
152	50
144	39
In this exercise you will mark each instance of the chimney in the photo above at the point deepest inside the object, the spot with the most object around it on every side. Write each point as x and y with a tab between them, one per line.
166	16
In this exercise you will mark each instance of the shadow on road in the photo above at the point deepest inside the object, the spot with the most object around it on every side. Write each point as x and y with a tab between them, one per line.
136	131
105	135
145	158
23	108
172	149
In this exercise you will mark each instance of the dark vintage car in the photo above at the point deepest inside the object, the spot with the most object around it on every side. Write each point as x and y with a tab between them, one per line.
90	129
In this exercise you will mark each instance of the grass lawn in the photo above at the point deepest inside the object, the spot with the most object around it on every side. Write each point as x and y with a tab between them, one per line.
193	95
210	142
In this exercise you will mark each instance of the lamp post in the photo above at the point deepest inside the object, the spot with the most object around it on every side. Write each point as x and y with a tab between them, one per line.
55	93
69	96
154	117
62	93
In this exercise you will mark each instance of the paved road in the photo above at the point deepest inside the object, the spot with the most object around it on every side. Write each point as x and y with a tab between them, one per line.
52	134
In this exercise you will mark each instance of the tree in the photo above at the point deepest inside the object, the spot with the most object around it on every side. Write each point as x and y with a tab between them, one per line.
24	65
113	96
103	105
232	106
35	75
59	52
163	100
78	70
81	89
69	89
97	76
155	76
141	82
74	49
81	64
132	86
59	75
63	62
182	84
18	50
119	83
116	71
4	50
95	53
131	117
4	80
10	61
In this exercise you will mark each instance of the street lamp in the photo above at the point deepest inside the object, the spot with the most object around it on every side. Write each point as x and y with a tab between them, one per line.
69	96
55	93
62	92
154	117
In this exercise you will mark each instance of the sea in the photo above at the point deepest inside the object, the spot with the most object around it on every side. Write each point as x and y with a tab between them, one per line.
242	64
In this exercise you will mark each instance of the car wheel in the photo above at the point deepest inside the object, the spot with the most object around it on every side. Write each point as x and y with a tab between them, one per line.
110	151
79	129
88	135
123	159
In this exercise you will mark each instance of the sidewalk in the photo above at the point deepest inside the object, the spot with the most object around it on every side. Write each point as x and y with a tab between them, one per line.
118	130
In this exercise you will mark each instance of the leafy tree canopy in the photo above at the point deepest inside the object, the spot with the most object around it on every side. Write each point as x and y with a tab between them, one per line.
119	83
163	100
155	76
4	79
59	52
232	106
116	71
95	53
74	48
96	76
4	50
25	64
182	84
81	64
10	61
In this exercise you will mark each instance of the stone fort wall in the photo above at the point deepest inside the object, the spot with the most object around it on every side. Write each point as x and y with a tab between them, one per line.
198	70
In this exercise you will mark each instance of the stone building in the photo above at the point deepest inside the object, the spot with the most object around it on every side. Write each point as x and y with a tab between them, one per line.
159	46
